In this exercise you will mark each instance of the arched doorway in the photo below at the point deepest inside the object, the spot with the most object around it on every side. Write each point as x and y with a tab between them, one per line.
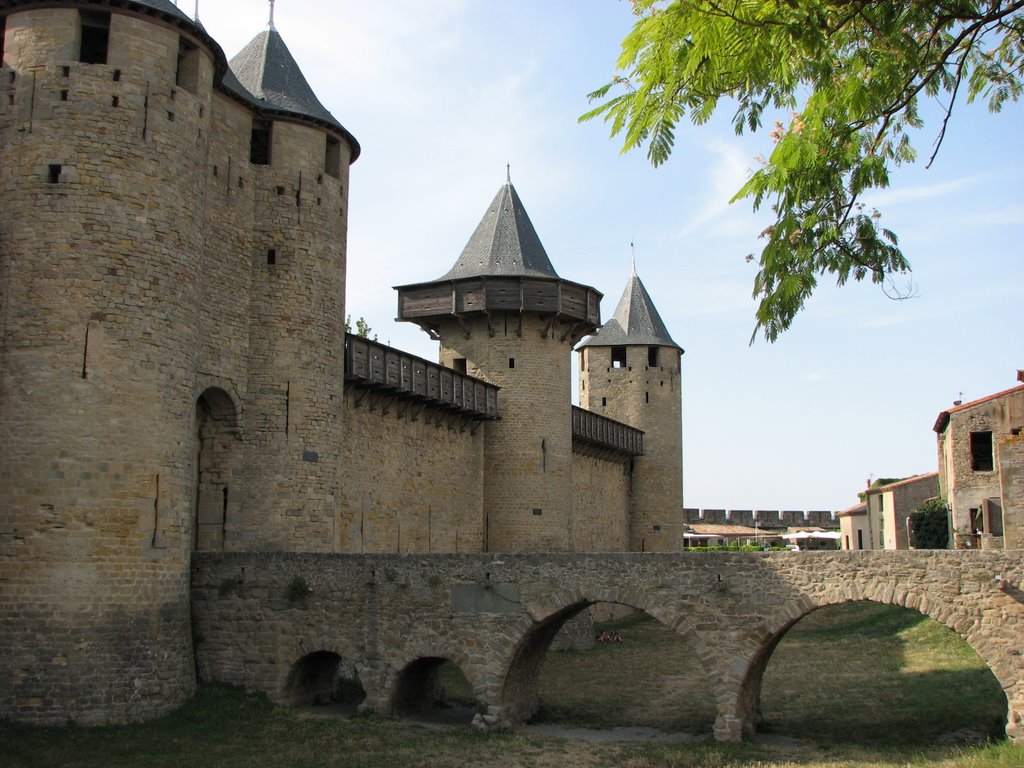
216	436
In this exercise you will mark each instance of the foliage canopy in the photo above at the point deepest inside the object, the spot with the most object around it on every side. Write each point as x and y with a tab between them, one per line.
849	75
929	523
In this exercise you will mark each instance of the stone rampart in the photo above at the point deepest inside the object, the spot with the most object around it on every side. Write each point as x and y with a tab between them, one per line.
770	518
394	617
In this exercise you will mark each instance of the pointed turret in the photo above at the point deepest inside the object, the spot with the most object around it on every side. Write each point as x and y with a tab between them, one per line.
630	372
503	269
503	314
635	322
504	243
266	74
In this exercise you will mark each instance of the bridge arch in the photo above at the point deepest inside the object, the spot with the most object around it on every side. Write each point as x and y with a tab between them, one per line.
415	684
322	677
518	696
963	619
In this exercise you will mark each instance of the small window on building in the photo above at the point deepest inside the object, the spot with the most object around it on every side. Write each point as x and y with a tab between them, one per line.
538	511
259	144
271	256
604	402
95	39
583	353
860	538
981	452
53	173
459	365
618	357
332	157
652	357
187	76
511	362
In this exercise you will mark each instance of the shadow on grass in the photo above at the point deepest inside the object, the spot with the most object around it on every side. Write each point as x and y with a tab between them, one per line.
864	673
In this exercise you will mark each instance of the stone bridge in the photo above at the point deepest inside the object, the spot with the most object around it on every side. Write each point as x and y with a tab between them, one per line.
261	619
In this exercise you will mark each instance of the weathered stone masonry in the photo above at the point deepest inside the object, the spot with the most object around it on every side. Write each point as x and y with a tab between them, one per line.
495	615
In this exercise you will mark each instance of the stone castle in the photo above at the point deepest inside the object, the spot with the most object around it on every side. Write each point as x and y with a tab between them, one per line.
176	376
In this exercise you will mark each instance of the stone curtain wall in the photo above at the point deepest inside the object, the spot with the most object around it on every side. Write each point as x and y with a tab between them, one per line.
600	504
496	615
413	480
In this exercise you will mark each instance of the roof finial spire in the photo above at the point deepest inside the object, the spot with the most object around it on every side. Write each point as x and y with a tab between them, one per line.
270	24
508	172
633	252
195	16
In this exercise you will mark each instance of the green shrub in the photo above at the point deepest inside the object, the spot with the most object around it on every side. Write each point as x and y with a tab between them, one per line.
929	525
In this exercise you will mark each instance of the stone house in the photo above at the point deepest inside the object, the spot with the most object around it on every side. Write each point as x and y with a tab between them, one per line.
981	469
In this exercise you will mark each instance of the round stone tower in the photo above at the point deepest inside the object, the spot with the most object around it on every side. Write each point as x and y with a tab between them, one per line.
503	314
630	372
138	246
104	119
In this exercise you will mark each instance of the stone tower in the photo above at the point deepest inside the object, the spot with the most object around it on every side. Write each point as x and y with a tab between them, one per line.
159	237
503	314
630	371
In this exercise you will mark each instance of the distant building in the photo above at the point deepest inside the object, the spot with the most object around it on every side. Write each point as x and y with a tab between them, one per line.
889	507
981	469
854	527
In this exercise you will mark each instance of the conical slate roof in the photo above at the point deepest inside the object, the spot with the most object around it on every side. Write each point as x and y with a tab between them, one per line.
503	244
268	71
635	322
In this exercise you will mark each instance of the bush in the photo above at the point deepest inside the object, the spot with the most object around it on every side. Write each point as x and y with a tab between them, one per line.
929	525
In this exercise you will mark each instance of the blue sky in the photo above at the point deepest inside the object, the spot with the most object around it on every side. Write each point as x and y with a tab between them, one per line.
442	95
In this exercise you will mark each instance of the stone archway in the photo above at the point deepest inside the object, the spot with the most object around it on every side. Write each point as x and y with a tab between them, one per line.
323	677
748	708
421	688
526	688
216	440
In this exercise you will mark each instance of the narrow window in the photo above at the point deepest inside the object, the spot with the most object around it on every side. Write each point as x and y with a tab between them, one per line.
604	401
115	101
95	37
860	538
618	357
652	357
271	256
981	452
259	145
459	365
647	397
3	34
65	71
63	95
583	360
54	174
538	511
332	157
117	75
511	362
187	75
280	191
